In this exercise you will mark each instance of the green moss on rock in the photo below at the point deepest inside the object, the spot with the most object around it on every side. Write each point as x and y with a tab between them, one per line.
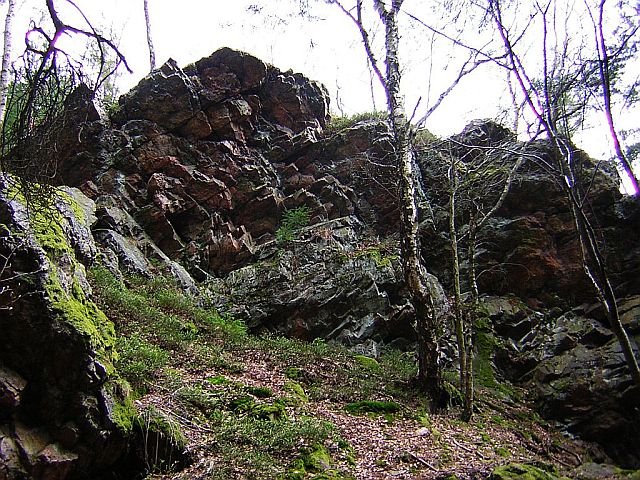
75	309
522	471
367	362
297	393
124	415
317	459
70	303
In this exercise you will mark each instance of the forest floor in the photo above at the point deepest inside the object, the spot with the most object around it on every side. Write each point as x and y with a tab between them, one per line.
215	402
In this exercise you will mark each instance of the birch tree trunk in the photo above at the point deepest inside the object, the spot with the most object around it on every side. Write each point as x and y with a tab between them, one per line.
418	281
152	52
6	58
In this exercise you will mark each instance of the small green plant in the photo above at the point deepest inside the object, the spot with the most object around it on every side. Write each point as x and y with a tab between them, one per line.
340	123
294	373
372	406
292	222
503	452
202	398
260	392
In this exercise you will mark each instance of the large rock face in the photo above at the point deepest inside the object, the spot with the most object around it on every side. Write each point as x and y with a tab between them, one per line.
573	367
324	284
58	402
197	169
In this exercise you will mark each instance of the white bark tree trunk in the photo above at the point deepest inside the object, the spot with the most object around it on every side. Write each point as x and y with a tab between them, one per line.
152	52
6	58
416	277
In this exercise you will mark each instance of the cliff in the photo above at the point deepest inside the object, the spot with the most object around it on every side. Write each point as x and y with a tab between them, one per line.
197	172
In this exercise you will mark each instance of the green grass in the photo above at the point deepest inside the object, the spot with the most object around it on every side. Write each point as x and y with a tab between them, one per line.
168	343
372	406
339	123
139	360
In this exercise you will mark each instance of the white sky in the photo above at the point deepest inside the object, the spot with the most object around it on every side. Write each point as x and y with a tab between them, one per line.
328	50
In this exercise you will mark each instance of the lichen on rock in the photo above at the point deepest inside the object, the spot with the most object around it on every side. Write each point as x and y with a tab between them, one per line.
56	339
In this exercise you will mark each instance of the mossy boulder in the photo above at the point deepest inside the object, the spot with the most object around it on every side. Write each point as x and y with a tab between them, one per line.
56	340
522	471
373	407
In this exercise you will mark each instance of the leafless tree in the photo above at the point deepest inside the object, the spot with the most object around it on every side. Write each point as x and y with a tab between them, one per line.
31	139
539	100
152	52
608	63
475	179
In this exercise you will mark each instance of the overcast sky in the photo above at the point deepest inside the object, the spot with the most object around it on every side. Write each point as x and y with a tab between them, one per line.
327	49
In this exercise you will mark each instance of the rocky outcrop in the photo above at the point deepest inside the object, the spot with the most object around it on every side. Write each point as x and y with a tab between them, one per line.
573	368
198	160
326	283
200	164
59	404
529	246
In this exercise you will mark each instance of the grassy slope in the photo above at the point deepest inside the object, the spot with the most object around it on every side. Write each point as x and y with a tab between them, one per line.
268	407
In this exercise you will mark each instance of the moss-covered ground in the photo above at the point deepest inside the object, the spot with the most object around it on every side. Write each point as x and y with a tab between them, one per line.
249	407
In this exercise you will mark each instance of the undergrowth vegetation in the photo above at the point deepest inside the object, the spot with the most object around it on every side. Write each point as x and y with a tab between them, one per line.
339	123
168	344
249	404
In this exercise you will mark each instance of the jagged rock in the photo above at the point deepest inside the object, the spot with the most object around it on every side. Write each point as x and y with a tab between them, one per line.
167	97
227	73
11	387
320	286
294	101
576	372
10	463
121	240
56	340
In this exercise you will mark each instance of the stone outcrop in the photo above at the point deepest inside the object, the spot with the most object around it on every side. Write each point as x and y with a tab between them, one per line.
58	398
196	170
573	368
326	283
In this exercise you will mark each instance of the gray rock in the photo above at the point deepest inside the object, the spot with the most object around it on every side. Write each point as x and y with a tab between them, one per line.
11	387
55	340
318	285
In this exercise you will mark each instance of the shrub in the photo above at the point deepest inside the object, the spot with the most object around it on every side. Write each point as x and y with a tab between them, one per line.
340	123
292	222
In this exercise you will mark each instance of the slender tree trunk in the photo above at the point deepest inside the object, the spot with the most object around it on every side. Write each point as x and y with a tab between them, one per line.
152	52
604	70
6	58
422	293
469	323
455	260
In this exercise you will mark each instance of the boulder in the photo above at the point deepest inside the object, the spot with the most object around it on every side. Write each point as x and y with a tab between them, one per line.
56	347
320	285
574	369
